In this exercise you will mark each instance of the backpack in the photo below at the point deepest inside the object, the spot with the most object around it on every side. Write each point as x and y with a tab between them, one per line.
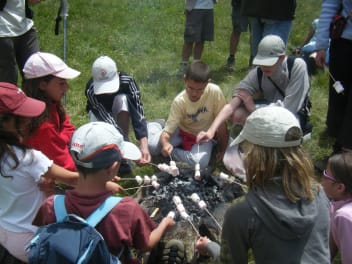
304	112
72	239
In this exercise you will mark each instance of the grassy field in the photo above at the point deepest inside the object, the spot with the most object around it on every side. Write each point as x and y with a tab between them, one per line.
145	38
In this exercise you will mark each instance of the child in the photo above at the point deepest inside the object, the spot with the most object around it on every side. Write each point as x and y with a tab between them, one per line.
21	170
337	183
192	111
46	78
114	97
285	212
98	149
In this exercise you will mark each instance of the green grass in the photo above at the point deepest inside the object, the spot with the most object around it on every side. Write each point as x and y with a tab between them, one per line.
145	38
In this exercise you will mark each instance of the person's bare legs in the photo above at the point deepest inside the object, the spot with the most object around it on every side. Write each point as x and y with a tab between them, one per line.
123	120
198	50
234	40
186	54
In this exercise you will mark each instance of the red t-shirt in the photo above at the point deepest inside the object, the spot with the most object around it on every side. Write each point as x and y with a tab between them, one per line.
127	224
53	140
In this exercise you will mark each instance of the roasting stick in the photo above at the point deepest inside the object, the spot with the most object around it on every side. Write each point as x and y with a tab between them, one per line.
213	217
194	228
142	186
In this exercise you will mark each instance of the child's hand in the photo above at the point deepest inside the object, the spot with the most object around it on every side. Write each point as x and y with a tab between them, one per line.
113	186
47	186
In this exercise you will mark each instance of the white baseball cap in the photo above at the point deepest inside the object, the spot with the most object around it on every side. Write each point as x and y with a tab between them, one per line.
270	48
268	127
105	76
99	144
41	64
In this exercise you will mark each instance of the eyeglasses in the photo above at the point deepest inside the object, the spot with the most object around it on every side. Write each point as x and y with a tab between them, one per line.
329	177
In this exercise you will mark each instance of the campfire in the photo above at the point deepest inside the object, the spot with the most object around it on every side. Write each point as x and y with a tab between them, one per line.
197	203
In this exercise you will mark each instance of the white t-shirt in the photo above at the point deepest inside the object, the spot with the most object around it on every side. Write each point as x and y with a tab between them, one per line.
20	197
13	21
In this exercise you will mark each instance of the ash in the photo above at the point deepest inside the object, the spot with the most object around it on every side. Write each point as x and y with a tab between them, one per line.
215	193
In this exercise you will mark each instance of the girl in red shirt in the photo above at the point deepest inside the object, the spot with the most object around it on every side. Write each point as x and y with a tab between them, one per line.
46	78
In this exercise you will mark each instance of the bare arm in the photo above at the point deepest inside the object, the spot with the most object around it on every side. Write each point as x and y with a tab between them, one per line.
165	144
320	58
224	114
60	174
157	233
145	151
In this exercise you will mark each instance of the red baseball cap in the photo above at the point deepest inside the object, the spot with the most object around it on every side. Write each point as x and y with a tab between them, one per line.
14	101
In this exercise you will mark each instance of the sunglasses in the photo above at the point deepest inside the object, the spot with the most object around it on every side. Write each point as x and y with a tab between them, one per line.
329	177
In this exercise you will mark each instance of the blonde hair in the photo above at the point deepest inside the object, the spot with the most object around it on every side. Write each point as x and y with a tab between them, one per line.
291	164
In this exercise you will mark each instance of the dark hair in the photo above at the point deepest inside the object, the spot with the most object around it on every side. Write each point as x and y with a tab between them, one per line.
85	171
31	88
198	71
8	140
341	168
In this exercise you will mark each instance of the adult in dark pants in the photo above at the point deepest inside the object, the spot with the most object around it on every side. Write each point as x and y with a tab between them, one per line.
339	113
268	17
18	38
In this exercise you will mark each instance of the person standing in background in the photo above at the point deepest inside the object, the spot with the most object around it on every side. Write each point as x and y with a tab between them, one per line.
199	28
239	25
268	17
339	113
18	38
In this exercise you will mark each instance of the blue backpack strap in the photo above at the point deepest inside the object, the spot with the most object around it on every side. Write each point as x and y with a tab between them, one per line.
59	207
94	218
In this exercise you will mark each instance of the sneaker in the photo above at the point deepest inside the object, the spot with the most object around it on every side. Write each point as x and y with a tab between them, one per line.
230	63
125	167
183	69
173	253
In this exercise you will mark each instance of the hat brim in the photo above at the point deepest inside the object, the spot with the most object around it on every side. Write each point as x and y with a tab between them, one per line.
130	151
238	140
30	108
68	73
265	61
103	87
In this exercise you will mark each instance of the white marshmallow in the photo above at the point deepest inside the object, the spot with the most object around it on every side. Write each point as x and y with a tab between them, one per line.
202	204
224	176
185	216
171	214
147	179
197	167
172	163
195	198
139	180
174	171
177	199
197	175
154	178
155	184
180	208
163	166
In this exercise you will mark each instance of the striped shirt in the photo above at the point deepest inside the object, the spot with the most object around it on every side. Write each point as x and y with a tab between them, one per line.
101	105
